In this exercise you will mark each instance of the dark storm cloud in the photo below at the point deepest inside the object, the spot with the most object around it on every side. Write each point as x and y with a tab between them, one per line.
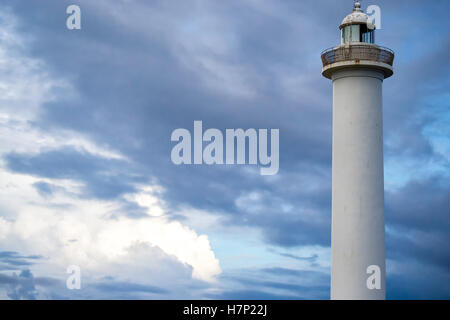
276	283
251	295
16	279
20	286
293	256
128	288
311	259
418	281
292	272
417	239
133	89
419	217
129	103
104	178
24	285
427	211
11	260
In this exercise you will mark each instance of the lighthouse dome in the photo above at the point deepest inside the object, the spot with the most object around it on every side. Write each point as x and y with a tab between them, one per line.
357	16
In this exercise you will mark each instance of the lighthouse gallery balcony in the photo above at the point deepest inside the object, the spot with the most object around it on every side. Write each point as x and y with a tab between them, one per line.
357	54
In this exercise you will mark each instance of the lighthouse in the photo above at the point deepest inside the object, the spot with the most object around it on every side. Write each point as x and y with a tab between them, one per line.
357	68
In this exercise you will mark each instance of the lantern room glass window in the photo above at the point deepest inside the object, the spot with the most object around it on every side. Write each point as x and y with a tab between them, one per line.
371	36
346	34
357	33
367	35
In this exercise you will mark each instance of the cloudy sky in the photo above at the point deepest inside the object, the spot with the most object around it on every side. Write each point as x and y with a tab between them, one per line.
86	177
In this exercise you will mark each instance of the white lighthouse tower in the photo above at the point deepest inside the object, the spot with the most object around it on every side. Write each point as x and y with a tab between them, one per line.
357	68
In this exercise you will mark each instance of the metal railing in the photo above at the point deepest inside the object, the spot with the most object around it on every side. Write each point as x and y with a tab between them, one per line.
357	52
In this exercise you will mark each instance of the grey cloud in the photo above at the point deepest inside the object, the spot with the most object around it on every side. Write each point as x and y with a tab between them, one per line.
251	295
275	283
11	260
24	285
130	288
105	178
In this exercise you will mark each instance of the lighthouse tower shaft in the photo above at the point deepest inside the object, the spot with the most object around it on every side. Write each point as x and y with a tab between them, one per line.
357	69
357	234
